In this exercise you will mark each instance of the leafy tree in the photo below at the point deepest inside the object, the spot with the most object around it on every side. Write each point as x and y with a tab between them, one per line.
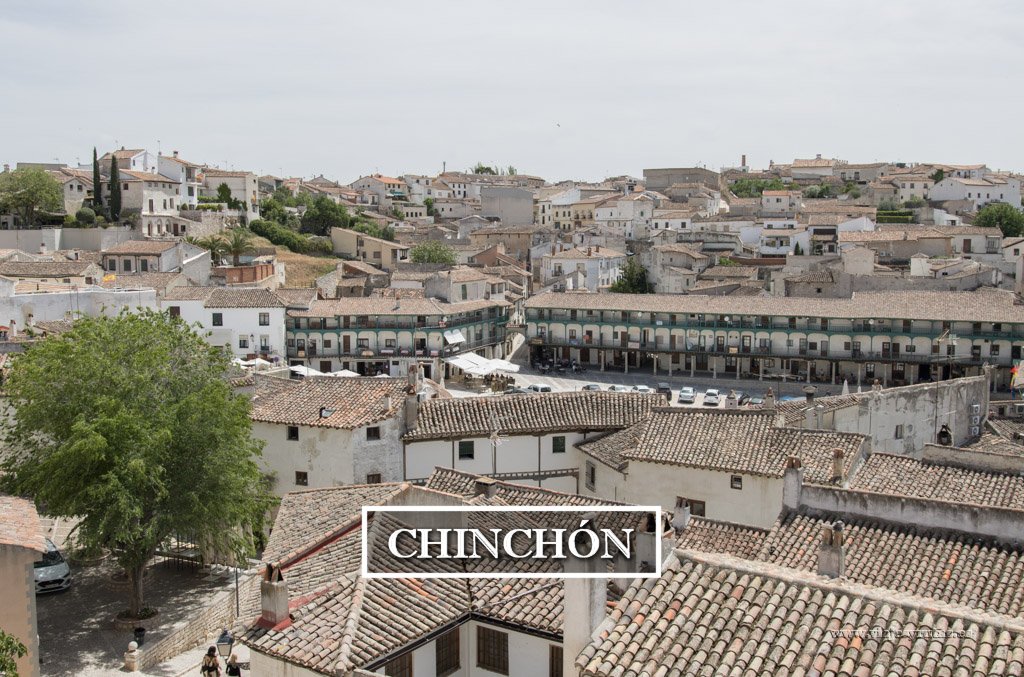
481	168
938	175
1003	216
429	204
272	210
915	202
214	244
224	195
433	251
85	216
632	279
115	190
238	243
511	171
823	190
798	250
129	424
28	191
11	649
97	200
754	187
889	205
324	214
397	213
726	261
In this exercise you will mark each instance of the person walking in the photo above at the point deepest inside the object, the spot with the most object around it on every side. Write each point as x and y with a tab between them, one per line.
210	666
233	668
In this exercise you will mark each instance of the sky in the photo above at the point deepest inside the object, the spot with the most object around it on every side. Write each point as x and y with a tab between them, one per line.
559	89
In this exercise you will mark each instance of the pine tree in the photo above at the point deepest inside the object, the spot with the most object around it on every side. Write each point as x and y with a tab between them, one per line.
115	190
97	199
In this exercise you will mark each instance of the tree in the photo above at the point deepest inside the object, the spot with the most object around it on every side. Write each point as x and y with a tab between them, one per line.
11	649
238	243
433	251
481	168
429	204
214	244
85	216
511	171
97	199
324	214
938	175
798	250
1003	216
28	191
632	278
129	423
915	202
754	187
115	190
224	195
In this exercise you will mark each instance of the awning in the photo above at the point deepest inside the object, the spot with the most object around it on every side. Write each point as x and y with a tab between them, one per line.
454	336
471	363
306	371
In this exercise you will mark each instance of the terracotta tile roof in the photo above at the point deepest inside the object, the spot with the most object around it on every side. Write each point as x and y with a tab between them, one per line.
723	272
535	413
461	483
902	476
954	568
679	248
45	268
153	247
151	280
814	162
127	175
350	402
584	253
296	297
991	443
123	154
19	524
723	537
740	441
383	306
609	448
983	305
1008	428
222	297
731	616
209	171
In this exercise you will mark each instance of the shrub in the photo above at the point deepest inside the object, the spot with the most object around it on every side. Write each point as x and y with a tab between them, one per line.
85	216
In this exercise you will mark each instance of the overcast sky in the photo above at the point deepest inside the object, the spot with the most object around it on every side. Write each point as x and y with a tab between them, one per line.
559	89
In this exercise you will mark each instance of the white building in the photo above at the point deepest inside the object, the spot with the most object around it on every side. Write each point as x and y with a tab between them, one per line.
244	187
249	322
601	266
980	191
185	173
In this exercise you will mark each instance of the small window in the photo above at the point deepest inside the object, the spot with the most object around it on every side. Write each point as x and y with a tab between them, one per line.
373	433
558	444
301	478
293	432
446	653
127	265
218	319
492	650
243	342
899	431
373	478
554	660
144	265
591	479
466	450
400	666
736	482
264	319
697	508
174	311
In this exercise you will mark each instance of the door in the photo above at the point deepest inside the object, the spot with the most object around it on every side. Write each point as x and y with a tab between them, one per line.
346	344
151	206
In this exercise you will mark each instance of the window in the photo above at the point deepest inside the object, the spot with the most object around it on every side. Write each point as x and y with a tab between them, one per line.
994	350
363	343
264	319
736	482
591	478
464	293
144	265
492	650
243	342
697	508
373	432
293	432
389	343
218	319
301	478
446	653
899	431
373	478
174	311
399	667
465	450
112	265
127	265
558	444
554	660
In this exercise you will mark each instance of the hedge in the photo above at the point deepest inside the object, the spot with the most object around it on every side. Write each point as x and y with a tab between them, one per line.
285	237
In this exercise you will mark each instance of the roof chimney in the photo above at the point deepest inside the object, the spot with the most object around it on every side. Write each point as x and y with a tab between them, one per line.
743	160
485	486
386	403
175	153
809	393
681	516
818	156
590	251
769	400
42	249
837	466
731	401
832	551
273	597
877	385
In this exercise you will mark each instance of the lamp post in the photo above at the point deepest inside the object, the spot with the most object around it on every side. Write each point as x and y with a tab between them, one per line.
224	644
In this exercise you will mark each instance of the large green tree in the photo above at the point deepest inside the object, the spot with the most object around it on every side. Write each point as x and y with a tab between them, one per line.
1003	216
97	199
632	279
322	215
238	242
114	198
433	251
129	424
28	191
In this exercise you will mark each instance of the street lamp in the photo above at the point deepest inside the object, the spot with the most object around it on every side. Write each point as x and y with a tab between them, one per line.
224	644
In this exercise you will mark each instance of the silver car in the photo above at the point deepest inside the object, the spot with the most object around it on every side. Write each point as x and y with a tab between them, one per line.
52	572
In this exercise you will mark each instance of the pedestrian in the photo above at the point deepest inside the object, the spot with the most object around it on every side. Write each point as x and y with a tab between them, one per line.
210	666
233	669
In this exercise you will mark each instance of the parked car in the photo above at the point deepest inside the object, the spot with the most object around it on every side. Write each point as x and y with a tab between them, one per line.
618	389
712	397
646	390
755	402
515	390
591	386
741	397
539	388
687	395
666	390
52	572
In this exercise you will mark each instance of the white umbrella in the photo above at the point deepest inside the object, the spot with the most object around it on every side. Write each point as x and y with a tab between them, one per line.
846	387
344	373
306	371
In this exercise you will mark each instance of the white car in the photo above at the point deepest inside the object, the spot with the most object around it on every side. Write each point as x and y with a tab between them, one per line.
687	395
646	390
539	388
712	397
52	572
618	389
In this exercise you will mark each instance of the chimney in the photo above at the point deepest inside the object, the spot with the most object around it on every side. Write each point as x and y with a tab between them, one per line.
42	249
743	160
818	156
597	247
837	466
14	328
590	251
175	153
809	393
273	597
792	483
769	400
585	602
485	486
386	403
681	516
832	551
877	385
731	401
